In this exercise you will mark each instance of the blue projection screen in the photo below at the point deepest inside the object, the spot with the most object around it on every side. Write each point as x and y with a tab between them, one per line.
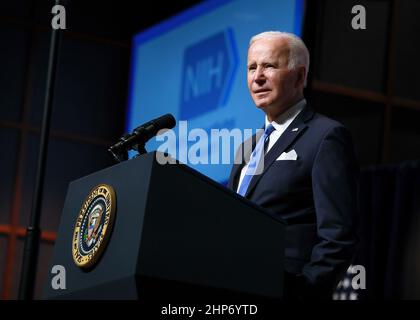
194	67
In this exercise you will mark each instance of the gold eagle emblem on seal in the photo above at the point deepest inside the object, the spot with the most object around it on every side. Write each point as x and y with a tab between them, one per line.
93	226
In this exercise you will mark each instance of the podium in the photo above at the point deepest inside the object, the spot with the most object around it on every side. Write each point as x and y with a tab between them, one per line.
176	234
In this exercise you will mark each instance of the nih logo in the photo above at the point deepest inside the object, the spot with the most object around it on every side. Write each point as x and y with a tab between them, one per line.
208	71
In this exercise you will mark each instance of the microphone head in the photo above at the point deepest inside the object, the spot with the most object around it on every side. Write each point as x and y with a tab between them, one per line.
166	121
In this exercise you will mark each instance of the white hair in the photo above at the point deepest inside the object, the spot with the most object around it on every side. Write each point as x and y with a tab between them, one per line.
298	55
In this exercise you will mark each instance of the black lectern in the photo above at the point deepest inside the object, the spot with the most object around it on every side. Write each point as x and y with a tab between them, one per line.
175	234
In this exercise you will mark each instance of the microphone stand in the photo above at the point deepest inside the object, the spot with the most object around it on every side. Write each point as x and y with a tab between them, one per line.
31	248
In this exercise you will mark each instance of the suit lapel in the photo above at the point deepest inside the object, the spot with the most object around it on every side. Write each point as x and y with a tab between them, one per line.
285	140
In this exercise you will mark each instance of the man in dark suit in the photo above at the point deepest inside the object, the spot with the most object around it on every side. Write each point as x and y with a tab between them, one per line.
307	169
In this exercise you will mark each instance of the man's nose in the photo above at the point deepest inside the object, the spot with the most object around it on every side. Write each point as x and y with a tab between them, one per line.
259	76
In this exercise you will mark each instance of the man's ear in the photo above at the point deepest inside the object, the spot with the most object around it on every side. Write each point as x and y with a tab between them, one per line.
301	73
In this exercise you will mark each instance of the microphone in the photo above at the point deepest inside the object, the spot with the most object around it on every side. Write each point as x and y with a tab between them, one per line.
140	135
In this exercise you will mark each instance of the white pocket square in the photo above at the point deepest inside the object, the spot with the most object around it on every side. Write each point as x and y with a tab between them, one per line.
291	155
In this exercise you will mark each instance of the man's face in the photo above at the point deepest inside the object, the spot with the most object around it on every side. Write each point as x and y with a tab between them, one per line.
273	87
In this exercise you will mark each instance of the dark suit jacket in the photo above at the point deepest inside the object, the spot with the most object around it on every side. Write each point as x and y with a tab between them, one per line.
316	195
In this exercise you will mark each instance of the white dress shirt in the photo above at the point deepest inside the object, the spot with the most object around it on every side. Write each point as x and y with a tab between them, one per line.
280	125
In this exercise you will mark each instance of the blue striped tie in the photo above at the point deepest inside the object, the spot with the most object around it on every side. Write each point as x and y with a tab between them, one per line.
255	159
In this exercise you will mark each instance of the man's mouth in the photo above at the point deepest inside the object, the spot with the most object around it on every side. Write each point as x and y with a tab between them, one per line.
261	91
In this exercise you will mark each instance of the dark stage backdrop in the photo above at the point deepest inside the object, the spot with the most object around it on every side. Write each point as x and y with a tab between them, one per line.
389	227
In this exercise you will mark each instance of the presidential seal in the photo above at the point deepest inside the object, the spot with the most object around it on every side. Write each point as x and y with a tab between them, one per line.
93	226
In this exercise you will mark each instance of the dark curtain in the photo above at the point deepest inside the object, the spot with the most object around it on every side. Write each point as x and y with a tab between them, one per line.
389	227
